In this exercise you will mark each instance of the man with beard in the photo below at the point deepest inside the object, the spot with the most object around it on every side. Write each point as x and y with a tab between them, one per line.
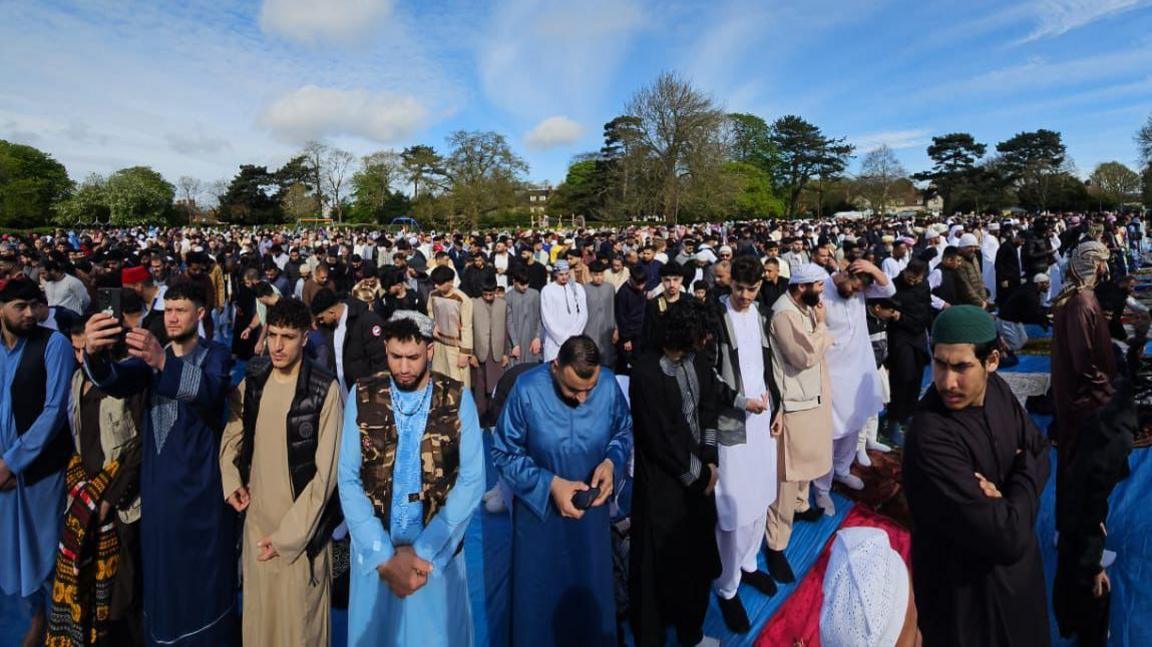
601	324
278	464
451	312
411	475
475	275
970	284
672	282
565	430
800	340
35	368
563	310
524	332
489	344
352	331
398	295
673	555
186	530
535	271
857	393
974	469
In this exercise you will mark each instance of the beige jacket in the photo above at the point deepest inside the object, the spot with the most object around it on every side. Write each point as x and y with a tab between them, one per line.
117	429
489	329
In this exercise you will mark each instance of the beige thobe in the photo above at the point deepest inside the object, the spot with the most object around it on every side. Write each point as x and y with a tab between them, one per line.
286	599
452	315
804	448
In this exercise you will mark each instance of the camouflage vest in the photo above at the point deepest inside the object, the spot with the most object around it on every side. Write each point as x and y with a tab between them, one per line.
439	447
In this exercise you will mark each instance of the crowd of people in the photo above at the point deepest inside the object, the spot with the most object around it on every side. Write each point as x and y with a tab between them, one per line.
193	412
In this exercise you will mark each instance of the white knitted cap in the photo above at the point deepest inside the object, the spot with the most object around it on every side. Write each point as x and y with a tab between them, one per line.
865	591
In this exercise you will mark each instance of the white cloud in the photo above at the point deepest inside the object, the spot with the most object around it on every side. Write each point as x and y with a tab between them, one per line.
313	112
553	132
312	21
196	142
1058	17
895	139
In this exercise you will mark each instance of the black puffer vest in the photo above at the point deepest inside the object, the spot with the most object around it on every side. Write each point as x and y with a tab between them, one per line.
29	391
302	427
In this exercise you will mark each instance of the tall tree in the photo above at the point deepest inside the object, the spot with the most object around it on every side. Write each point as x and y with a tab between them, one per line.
879	173
253	197
190	190
422	166
88	204
806	153
1144	142
337	167
373	186
580	192
32	184
483	173
315	158
954	158
1032	160
138	195
750	141
679	127
1115	183
621	167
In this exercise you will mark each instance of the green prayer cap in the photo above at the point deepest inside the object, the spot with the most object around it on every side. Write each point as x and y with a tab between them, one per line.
963	325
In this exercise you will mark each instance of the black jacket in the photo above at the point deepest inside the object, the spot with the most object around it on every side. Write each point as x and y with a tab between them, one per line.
1007	271
363	344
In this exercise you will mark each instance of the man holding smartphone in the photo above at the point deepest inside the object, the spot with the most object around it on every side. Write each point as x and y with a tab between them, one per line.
563	437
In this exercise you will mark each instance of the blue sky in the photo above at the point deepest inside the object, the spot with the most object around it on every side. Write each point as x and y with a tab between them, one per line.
197	88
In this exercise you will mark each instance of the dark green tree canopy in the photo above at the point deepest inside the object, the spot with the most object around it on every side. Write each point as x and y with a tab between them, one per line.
32	184
806	153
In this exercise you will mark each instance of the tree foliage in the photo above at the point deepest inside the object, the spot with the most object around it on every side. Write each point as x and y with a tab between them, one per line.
806	153
678	128
32	185
423	166
253	197
1144	142
483	174
750	142
954	158
879	173
1115	183
1032	161
137	196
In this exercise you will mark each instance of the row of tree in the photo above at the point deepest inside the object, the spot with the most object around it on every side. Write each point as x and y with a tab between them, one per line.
673	155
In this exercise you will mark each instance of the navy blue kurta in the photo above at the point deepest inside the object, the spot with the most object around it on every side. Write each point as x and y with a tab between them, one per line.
187	531
562	585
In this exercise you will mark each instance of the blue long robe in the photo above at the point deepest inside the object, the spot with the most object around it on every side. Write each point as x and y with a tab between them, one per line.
187	531
439	612
562	586
31	515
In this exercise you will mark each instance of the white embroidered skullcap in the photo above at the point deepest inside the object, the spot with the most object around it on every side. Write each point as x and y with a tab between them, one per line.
865	591
807	273
968	240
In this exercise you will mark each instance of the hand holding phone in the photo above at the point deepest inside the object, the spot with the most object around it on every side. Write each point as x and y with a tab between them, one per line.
583	500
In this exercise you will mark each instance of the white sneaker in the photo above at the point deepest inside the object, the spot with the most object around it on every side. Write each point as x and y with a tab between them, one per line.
862	458
1108	558
824	501
877	446
850	481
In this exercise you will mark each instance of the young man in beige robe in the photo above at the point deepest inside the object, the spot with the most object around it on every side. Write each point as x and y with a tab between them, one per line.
451	312
799	339
490	344
278	462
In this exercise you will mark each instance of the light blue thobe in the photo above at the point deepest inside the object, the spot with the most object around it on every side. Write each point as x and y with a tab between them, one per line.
439	612
31	515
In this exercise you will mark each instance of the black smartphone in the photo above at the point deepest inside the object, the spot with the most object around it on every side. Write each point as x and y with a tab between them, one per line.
583	500
110	301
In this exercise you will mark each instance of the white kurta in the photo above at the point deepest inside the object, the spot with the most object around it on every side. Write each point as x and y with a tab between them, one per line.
747	482
856	390
563	313
988	249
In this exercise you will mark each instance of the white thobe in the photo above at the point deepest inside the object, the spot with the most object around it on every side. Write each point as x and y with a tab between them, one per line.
856	389
746	486
893	266
563	314
988	250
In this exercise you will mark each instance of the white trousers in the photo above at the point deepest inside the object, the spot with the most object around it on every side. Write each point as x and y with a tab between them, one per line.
843	453
738	551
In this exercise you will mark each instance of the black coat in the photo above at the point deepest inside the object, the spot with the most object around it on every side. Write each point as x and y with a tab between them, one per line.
472	280
1007	271
673	555
363	344
976	568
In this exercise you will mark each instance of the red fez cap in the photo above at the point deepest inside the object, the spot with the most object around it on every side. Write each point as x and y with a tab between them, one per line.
130	275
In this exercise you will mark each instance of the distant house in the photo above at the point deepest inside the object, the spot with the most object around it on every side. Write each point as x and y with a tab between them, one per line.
536	197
